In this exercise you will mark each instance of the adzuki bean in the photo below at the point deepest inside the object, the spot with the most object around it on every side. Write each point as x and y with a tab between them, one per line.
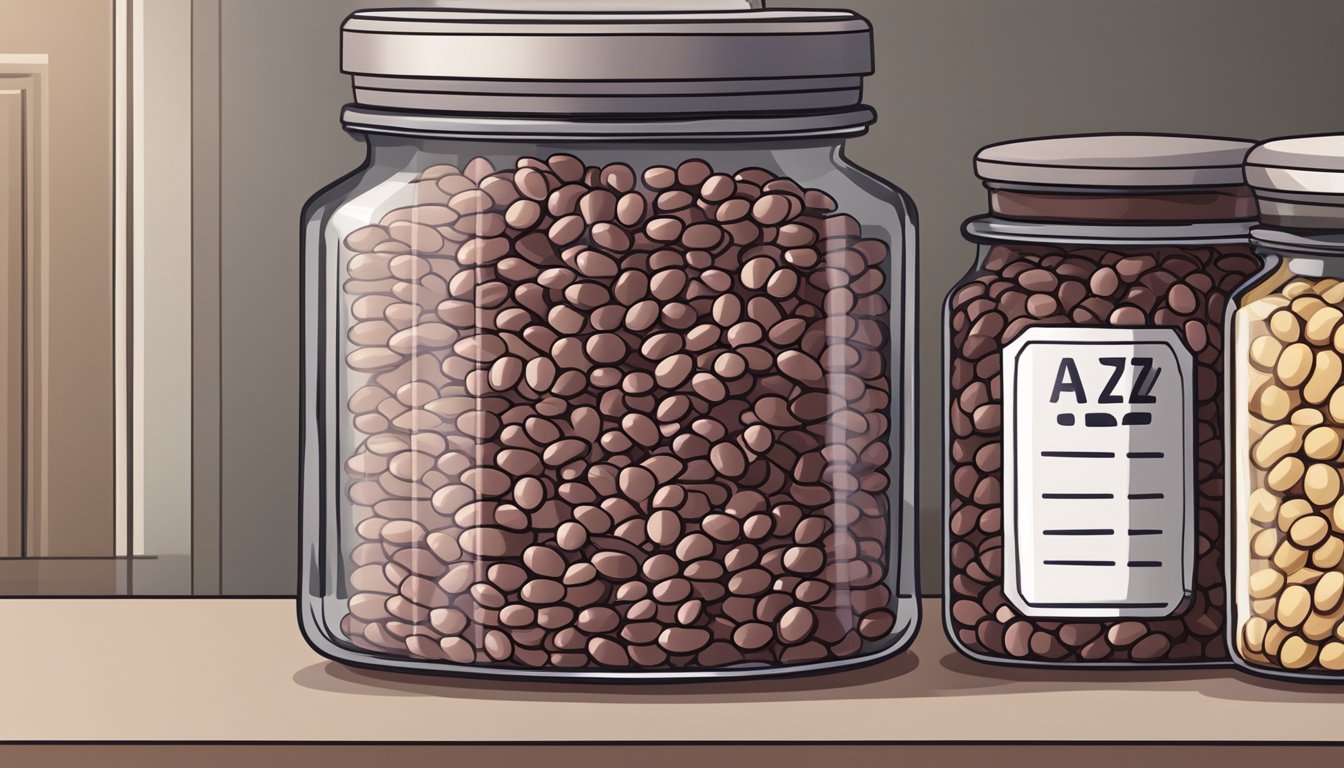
599	423
1023	286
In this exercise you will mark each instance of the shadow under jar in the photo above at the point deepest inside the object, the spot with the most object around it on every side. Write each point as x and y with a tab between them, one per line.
1084	488
597	390
1286	519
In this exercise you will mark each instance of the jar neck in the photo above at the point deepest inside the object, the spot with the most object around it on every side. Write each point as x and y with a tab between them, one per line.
816	154
685	125
1306	253
989	230
1116	206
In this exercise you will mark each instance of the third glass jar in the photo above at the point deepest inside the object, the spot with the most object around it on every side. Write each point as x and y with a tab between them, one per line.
1286	523
1084	356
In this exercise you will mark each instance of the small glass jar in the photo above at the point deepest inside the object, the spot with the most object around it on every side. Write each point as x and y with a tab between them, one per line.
1286	522
608	352
1084	408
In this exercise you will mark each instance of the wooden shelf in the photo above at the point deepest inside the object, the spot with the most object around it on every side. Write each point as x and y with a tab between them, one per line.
222	670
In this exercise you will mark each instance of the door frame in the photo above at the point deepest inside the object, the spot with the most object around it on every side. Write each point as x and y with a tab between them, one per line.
153	294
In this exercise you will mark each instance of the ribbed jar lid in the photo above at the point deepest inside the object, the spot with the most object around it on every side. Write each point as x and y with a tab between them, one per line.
566	64
1299	182
1116	161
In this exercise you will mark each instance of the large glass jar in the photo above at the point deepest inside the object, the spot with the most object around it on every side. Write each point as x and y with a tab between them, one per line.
614	384
1084	403
1286	522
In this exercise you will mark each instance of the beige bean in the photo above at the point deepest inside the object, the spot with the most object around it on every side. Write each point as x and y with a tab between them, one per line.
1320	329
1328	592
1285	326
1285	474
1336	406
1253	634
1321	626
1288	558
1265	583
1306	305
1272	402
1263	507
1322	443
1306	417
1265	352
1283	440
1329	553
1264	543
1294	606
1332	656
1297	653
1294	365
1321	484
1324	377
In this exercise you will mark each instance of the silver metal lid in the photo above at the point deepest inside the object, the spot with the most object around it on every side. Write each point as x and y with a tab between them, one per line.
1120	160
590	65
1299	182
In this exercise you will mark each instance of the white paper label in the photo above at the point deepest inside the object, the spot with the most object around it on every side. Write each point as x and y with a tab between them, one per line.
1099	480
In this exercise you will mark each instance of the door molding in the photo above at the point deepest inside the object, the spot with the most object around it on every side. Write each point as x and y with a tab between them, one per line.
23	204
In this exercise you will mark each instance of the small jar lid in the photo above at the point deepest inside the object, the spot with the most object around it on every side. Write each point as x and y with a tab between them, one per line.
1115	161
1299	182
684	63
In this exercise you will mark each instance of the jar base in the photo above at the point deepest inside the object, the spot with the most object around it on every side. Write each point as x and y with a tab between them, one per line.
319	639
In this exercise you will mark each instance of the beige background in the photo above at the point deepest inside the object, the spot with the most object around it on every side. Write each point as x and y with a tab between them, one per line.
953	75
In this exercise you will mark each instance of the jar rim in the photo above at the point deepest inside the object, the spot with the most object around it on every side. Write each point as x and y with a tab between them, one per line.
992	229
1330	243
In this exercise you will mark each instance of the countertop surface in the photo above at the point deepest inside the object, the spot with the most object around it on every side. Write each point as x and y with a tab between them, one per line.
238	670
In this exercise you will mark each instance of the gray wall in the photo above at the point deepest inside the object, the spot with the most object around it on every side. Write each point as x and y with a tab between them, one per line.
953	75
267	96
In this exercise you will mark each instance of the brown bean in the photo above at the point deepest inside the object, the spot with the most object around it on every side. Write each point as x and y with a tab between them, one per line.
583	402
1025	286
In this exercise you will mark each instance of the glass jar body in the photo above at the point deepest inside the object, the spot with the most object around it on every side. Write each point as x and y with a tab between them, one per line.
1286	533
1084	491
608	409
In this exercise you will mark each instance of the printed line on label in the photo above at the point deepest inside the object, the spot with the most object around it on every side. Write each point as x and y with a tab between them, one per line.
1077	454
1145	531
1079	532
1099	563
1145	563
1077	496
1145	455
1138	419
1146	496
